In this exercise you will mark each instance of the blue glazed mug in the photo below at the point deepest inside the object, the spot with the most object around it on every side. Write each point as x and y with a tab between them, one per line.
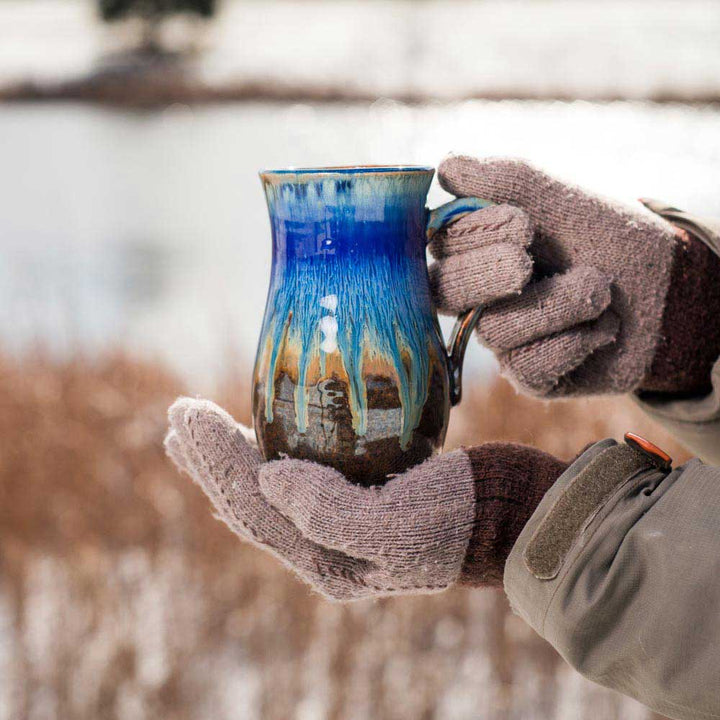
351	369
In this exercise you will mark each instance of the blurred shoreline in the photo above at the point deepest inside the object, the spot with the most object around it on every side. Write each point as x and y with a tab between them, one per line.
156	93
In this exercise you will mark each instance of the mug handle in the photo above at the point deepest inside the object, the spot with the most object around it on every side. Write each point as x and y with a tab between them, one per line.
466	322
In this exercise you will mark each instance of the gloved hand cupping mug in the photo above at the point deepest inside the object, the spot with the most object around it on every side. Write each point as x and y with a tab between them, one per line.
452	519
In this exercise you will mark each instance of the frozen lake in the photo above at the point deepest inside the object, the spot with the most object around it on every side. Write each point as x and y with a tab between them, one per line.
149	231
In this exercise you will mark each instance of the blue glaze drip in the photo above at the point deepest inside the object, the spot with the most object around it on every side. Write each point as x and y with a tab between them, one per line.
349	249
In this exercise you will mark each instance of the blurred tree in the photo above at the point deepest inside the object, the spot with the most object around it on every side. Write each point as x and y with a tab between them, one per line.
151	13
115	9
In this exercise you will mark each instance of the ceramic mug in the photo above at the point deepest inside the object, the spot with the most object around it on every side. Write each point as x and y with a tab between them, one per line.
351	369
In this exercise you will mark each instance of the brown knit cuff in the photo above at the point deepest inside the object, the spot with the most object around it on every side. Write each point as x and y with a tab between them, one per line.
510	482
690	341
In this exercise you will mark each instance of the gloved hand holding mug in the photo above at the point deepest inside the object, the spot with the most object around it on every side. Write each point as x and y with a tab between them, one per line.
618	299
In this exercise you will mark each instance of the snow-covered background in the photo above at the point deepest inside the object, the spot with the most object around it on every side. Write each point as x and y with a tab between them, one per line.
145	233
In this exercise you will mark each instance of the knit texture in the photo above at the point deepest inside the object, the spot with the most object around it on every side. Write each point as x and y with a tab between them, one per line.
540	363
209	446
589	319
452	518
545	308
412	532
491	245
506	268
690	336
510	482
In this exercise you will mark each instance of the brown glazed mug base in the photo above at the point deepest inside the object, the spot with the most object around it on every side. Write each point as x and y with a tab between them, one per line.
330	438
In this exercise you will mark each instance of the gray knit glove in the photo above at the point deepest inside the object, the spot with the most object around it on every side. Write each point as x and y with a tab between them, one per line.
589	319
452	519
348	542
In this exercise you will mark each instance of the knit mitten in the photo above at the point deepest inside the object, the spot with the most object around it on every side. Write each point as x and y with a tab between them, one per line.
452	519
590	318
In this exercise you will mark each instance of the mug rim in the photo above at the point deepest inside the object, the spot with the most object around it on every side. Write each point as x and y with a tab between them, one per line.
347	170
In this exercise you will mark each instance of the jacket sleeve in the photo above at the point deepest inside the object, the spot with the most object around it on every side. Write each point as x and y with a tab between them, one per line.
696	421
619	569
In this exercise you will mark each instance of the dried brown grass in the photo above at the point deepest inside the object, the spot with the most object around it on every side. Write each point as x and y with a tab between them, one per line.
124	598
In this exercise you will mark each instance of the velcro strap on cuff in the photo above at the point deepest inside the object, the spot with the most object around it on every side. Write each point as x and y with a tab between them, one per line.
571	512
